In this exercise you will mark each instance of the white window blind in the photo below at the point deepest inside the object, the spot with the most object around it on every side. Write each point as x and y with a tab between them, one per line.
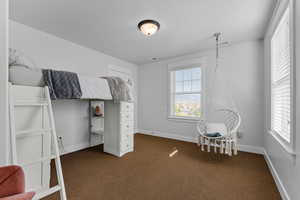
281	78
186	92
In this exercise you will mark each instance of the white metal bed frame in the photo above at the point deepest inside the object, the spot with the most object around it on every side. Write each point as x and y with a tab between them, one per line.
36	129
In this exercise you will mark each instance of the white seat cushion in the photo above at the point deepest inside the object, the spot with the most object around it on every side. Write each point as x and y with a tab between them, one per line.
216	128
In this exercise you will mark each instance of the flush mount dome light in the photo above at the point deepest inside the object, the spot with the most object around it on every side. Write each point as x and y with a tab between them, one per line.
148	27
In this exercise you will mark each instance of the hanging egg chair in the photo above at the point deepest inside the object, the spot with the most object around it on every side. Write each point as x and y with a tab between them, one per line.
219	129
220	135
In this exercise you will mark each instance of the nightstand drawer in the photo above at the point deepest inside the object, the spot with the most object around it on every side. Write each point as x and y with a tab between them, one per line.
126	142
126	117
126	107
126	128
124	138
124	146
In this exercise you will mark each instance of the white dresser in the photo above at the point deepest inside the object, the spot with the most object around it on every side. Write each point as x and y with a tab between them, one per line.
119	128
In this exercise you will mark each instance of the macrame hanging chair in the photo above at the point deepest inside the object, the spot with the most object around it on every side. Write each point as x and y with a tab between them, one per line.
222	120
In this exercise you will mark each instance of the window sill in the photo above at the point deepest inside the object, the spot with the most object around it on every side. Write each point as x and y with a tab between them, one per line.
286	147
184	119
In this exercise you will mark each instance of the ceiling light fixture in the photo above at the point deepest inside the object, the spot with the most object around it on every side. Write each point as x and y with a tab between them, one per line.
148	27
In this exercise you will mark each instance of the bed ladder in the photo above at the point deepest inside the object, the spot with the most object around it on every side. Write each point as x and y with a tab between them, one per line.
45	105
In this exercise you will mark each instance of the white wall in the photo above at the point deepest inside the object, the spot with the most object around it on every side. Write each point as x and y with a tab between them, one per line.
286	166
3	80
48	51
241	63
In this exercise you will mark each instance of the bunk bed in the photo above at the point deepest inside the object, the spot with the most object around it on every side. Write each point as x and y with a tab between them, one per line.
30	123
92	87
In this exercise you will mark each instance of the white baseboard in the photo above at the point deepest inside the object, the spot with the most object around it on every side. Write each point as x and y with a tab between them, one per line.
244	148
168	135
251	149
283	192
74	147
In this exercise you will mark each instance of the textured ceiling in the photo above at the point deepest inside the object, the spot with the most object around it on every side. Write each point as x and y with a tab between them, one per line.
110	26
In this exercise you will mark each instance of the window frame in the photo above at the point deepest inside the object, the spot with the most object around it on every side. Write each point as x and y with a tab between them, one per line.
186	64
289	146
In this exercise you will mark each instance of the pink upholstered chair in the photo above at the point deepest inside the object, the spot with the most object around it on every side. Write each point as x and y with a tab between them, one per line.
12	184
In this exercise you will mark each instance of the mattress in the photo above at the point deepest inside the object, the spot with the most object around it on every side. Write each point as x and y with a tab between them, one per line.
91	87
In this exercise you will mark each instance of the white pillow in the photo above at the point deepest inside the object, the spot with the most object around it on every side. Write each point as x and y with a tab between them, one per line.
216	128
21	75
17	58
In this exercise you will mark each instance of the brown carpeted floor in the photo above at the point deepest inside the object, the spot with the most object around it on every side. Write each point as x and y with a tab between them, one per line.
150	174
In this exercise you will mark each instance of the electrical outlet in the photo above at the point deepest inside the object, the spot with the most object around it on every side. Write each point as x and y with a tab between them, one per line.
60	143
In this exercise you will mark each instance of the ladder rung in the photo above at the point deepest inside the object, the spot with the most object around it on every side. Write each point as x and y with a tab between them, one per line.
44	155
44	193
38	161
34	99
35	132
31	104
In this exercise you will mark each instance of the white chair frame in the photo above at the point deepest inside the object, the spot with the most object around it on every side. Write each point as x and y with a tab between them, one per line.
226	143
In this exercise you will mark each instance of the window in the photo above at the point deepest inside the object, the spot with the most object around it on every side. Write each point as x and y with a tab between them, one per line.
186	93
281	78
